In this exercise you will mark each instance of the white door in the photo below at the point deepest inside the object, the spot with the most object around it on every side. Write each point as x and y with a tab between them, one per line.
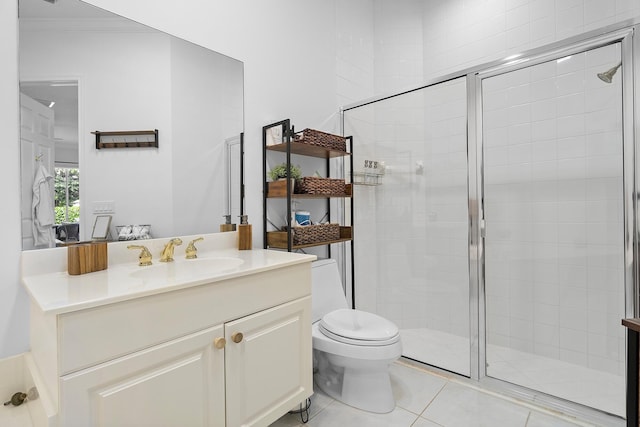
268	367
36	147
179	383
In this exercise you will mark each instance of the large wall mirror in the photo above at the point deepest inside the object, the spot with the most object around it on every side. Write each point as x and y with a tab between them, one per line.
83	69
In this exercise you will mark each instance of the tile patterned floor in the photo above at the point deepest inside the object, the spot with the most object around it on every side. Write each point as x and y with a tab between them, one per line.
424	399
429	399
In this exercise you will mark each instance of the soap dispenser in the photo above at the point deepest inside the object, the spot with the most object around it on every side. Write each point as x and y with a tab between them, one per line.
244	233
227	226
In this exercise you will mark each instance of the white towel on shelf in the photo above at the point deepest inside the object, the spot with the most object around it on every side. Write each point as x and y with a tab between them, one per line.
42	208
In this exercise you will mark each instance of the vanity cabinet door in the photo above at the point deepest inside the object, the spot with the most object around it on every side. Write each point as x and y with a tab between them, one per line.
178	383
268	363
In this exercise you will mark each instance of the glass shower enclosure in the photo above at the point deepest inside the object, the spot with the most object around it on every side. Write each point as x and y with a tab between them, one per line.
412	249
498	233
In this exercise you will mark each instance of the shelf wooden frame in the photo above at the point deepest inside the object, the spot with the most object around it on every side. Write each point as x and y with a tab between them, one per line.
125	144
308	150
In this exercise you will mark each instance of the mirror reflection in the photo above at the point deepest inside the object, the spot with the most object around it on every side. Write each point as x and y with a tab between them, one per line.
82	70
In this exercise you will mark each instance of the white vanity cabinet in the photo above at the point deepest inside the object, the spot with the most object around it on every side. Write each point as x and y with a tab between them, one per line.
233	352
267	369
173	384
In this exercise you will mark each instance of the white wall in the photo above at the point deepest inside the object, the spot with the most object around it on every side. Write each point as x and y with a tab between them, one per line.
14	336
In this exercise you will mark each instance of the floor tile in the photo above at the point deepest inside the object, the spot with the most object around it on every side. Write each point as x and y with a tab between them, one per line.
459	405
414	389
421	422
340	415
319	401
450	403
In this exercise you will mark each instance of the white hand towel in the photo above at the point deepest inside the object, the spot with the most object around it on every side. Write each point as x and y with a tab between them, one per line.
43	209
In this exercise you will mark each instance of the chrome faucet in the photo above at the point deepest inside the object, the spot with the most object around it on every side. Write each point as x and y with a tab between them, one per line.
167	252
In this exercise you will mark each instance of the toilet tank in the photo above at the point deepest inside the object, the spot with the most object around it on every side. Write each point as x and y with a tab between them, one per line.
327	293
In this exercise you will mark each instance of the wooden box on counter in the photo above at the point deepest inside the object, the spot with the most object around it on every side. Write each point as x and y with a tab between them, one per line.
86	257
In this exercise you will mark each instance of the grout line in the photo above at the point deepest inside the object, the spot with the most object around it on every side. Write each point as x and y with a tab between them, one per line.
434	398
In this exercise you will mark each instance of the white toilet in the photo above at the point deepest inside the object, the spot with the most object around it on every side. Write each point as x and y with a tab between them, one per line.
352	349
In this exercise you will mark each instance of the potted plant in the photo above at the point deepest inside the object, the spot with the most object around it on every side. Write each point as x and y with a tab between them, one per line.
280	172
279	175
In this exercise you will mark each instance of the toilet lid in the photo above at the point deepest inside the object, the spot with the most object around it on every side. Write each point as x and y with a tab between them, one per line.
359	327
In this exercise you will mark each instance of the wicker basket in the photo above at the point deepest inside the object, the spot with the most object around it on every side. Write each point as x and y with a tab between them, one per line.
313	185
321	139
315	233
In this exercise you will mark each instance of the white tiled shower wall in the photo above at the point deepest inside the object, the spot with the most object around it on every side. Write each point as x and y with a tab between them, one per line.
398	44
554	212
421	40
461	33
354	51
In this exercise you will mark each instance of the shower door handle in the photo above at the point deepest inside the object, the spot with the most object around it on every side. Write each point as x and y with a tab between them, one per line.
483	228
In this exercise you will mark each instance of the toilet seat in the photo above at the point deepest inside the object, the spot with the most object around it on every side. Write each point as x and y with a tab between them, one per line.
357	327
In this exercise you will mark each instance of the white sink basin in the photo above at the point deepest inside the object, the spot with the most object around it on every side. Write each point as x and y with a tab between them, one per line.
187	268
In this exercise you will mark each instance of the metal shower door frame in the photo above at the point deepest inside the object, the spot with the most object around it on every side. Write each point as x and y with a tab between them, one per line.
631	157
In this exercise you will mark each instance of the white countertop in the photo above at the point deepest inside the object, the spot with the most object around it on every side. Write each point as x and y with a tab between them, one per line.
54	291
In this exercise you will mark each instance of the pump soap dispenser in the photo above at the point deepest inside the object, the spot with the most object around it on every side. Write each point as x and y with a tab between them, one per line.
244	233
227	226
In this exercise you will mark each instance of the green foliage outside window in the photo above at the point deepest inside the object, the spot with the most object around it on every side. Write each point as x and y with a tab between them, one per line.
73	214
67	195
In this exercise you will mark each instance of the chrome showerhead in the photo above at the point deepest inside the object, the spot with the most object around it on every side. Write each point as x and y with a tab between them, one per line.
607	76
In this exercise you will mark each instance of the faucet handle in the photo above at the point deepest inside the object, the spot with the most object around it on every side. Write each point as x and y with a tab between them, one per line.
144	258
192	251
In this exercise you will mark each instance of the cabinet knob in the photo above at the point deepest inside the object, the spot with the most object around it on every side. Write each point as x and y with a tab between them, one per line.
237	337
219	343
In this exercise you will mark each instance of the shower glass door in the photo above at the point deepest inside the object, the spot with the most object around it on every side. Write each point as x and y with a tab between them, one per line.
410	210
554	281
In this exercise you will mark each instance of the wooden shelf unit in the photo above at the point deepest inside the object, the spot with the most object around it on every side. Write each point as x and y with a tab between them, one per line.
283	239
